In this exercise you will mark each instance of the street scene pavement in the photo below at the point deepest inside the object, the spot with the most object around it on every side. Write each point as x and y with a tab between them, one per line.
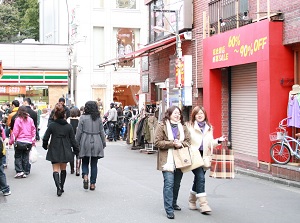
129	189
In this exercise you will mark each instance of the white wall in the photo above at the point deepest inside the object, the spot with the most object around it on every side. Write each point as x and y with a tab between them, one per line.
34	56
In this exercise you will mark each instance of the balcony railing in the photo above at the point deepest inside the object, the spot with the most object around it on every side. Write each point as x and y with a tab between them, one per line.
228	14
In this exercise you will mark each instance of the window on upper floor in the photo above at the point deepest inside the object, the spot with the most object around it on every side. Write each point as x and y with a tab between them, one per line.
126	4
98	45
98	3
125	45
228	14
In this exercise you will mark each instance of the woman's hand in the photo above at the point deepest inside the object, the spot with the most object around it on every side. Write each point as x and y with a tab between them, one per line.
222	139
177	143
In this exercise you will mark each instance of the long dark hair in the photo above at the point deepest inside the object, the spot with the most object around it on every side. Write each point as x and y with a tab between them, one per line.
22	112
195	112
169	112
91	108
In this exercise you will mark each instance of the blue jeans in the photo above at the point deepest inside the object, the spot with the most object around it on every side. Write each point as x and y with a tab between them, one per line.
3	184
171	189
22	161
199	180
94	169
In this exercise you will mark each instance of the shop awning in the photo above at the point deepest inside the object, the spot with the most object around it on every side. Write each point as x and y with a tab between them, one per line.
145	51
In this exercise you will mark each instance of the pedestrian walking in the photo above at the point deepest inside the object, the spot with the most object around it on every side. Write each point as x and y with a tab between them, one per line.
74	120
90	136
171	134
23	137
201	132
61	148
112	122
43	122
61	101
4	187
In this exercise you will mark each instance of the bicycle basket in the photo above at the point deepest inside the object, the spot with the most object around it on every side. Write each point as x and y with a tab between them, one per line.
275	136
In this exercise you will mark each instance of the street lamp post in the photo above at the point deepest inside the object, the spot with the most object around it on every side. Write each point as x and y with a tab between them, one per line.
178	48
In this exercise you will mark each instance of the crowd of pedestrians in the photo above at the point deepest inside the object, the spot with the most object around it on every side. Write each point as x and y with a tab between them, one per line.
80	133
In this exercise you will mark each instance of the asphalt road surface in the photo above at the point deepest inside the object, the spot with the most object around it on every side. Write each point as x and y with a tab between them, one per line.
129	189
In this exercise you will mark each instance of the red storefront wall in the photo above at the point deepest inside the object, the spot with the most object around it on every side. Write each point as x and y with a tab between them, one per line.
259	42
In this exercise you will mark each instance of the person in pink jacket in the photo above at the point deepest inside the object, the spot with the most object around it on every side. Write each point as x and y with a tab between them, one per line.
23	135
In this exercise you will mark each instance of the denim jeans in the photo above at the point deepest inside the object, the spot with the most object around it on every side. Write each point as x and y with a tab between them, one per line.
199	180
3	184
22	161
171	189
94	169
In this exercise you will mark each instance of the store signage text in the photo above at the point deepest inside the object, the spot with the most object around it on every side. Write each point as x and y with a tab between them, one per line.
12	90
244	49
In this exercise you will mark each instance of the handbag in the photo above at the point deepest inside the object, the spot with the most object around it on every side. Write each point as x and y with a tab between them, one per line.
22	145
182	157
222	164
197	161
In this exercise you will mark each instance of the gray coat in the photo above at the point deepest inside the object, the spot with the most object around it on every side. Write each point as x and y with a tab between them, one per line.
90	137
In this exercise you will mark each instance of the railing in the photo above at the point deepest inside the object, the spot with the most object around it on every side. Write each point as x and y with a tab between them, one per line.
228	14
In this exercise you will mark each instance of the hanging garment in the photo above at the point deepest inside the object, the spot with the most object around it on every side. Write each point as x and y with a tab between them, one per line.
293	112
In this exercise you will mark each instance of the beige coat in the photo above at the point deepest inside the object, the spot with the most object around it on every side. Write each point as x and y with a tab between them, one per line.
162	142
207	136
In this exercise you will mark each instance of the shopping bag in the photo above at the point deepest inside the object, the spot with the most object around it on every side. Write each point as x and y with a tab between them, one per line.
33	155
197	161
182	157
222	165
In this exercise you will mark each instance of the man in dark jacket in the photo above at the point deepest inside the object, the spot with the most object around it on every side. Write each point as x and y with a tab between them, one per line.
61	101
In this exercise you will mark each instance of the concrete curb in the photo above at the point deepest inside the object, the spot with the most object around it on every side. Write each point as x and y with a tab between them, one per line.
267	177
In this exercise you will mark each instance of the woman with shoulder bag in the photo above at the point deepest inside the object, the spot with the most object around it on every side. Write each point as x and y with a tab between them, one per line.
202	139
170	134
23	137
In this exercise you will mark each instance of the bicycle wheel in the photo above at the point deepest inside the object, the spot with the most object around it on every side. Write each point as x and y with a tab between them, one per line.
280	155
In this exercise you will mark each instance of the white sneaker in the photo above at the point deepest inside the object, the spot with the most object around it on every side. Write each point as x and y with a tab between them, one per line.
7	193
19	175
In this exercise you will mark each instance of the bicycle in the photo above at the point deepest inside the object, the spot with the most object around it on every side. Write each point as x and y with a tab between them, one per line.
282	151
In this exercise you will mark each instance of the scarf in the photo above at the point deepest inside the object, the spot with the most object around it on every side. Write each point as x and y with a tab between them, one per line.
170	165
201	126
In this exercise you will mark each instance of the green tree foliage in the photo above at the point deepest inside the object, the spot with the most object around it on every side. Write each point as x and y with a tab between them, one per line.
9	22
25	24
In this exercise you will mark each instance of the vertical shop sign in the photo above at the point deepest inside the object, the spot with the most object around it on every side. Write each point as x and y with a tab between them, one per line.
179	73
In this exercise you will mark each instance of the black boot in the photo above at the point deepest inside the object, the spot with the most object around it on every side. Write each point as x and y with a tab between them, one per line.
57	183
72	167
63	175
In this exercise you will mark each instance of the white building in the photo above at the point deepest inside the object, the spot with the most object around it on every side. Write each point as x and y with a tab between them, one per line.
97	31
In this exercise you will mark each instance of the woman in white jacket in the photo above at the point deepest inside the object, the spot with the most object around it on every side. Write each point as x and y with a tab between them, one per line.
202	139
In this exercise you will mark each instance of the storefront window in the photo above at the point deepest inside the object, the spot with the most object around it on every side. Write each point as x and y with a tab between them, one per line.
126	4
37	94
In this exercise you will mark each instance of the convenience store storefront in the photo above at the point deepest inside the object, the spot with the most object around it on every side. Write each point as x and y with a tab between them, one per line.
42	86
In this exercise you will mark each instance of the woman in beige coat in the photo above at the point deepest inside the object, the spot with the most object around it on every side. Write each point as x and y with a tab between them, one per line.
202	139
170	134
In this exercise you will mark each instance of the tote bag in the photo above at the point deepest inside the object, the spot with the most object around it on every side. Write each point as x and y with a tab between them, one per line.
197	161
182	157
222	165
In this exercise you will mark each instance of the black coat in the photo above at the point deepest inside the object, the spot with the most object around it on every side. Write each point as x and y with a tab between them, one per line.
62	142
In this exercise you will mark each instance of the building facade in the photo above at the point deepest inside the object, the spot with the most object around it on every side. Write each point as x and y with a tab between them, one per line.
245	62
98	33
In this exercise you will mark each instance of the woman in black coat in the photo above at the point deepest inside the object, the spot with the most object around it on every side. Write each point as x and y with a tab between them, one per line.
60	150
